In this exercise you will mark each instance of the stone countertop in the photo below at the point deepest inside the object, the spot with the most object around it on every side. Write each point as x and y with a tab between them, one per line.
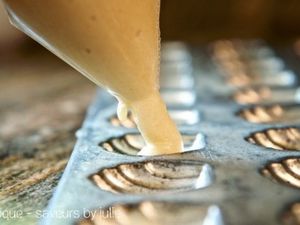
42	104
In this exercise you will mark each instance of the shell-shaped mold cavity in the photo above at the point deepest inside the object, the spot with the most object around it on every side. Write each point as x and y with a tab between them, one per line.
284	78
287	138
179	98
285	172
182	80
159	176
226	50
267	95
132	143
291	216
173	52
180	117
271	114
156	213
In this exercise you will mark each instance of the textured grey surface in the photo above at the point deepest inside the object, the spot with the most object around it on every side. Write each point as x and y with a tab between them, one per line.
244	196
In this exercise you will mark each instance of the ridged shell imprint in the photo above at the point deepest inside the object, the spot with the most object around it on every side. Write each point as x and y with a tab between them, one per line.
240	69
156	213
128	122
292	215
240	79
285	172
266	95
240	58
271	114
131	144
277	138
154	177
180	117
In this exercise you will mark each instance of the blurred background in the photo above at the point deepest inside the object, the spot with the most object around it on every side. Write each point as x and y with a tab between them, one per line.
202	20
43	100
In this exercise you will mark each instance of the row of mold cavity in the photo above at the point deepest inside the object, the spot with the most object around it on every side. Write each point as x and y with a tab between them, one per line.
258	77
167	213
159	176
172	176
122	178
271	95
156	213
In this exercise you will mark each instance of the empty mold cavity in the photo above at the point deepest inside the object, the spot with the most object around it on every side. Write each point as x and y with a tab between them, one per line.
232	51
180	117
284	78
156	213
285	172
178	68
177	81
267	95
291	216
254	57
179	98
277	138
160	176
271	114
131	144
268	66
172	52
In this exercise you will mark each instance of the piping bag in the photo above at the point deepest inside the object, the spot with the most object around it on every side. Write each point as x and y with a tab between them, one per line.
114	43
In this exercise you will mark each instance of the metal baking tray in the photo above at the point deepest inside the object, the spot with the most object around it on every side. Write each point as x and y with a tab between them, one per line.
236	105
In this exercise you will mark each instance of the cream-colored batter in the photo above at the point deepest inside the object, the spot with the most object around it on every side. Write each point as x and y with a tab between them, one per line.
115	43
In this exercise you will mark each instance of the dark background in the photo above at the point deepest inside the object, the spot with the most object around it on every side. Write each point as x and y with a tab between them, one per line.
205	20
